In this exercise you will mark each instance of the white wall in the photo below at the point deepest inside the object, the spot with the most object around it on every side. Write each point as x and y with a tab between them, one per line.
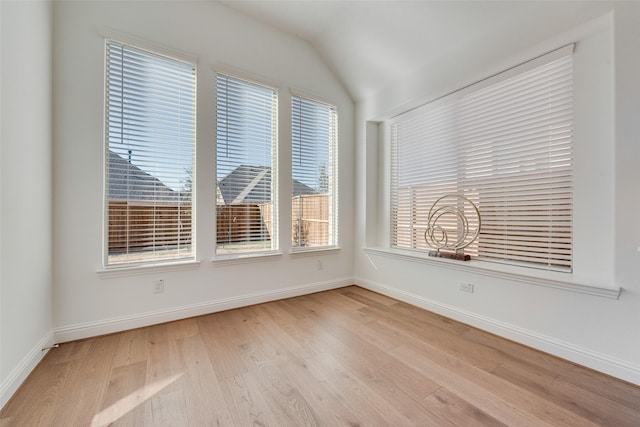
592	330
86	303
25	190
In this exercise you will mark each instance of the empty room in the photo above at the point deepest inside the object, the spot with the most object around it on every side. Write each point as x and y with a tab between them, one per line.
299	213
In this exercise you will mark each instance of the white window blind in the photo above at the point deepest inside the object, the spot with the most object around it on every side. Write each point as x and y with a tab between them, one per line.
314	166
246	168
506	144
150	150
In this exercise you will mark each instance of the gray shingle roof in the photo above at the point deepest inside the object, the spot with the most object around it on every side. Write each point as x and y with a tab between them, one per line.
252	184
245	184
129	182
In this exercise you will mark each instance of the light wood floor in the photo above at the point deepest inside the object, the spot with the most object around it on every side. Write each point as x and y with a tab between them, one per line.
343	357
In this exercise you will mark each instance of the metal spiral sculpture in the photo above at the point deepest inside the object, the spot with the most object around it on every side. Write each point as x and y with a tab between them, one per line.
437	236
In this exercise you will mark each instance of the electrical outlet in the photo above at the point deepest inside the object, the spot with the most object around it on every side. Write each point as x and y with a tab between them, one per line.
158	287
466	287
319	265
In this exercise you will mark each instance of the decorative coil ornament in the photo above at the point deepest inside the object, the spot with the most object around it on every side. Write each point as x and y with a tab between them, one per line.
450	229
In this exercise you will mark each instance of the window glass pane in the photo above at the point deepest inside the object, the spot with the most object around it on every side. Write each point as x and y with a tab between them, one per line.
508	148
313	173
245	152
150	151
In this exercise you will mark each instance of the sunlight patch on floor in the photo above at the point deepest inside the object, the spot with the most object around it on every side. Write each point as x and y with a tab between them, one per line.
128	403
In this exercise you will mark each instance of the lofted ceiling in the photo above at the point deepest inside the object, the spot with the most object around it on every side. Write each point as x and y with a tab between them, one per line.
371	44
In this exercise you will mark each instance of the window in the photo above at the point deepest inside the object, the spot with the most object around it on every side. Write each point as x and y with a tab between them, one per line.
246	215
504	143
150	151
313	159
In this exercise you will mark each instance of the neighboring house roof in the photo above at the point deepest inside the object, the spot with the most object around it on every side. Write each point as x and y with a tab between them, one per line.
129	182
252	184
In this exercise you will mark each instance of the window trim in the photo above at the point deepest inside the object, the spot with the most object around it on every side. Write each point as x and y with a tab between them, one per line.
301	252
129	40
545	278
245	258
124	270
594	122
220	69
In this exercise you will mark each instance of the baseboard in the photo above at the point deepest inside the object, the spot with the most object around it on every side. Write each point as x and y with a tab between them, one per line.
20	373
107	326
582	356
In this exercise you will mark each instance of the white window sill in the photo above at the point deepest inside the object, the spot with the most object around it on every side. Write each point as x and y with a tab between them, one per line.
222	260
531	276
296	252
133	270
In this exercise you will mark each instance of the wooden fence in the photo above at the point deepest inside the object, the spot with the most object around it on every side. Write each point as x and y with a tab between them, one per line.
310	219
240	223
310	226
139	227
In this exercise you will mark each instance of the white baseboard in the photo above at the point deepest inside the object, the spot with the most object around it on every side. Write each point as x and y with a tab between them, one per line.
20	373
600	362
108	326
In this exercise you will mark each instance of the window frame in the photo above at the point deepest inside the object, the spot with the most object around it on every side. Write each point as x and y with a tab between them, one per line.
385	128
163	263
222	258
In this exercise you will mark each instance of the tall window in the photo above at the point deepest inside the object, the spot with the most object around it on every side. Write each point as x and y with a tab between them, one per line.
506	144
150	151
314	166
246	219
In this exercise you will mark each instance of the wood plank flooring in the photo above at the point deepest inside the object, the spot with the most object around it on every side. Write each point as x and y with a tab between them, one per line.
347	357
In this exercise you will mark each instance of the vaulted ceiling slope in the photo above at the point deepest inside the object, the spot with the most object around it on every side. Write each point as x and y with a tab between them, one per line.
370	45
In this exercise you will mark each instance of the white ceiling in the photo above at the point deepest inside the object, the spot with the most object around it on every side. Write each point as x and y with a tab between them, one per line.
371	44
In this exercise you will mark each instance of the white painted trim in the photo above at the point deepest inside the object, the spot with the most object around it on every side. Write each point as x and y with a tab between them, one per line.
117	324
313	251
20	373
247	76
301	93
139	43
480	267
134	270
223	260
598	361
